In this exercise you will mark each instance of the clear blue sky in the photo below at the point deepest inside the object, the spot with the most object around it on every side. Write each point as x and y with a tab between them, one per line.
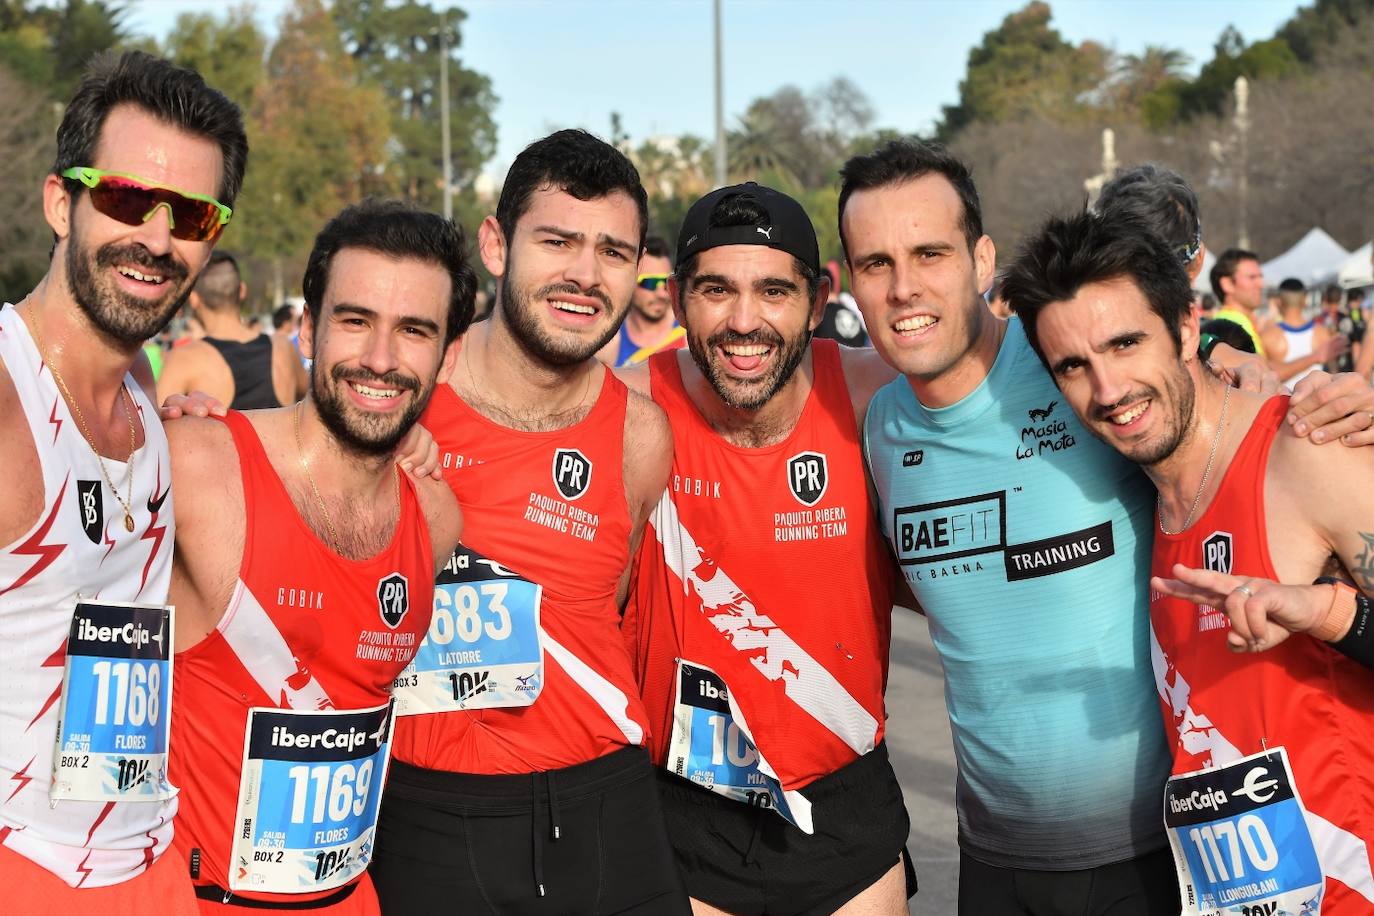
569	63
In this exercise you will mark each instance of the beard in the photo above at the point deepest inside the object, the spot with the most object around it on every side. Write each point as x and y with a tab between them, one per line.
517	305
754	393
127	319
1178	423
364	434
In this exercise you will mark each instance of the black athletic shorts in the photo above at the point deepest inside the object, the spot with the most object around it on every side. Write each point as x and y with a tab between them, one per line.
1144	886
587	839
747	860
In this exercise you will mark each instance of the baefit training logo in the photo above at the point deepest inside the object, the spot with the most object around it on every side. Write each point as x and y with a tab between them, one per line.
393	599
807	477
1217	552
91	508
572	472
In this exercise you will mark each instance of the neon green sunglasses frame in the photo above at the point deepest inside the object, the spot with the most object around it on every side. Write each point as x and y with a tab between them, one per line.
91	177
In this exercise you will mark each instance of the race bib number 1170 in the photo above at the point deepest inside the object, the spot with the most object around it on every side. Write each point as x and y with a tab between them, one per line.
116	705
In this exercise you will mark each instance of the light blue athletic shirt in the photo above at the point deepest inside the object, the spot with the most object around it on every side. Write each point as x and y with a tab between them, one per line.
1027	542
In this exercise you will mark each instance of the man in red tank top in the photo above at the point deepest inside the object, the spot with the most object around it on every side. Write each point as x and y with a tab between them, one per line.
303	575
760	612
520	782
1271	803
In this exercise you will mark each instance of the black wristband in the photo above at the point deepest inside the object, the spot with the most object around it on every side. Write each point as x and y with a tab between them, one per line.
1358	643
1207	343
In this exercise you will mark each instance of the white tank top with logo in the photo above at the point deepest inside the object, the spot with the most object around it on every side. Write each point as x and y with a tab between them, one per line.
1300	344
78	545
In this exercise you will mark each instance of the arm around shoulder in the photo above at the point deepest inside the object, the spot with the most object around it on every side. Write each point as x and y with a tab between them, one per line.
648	458
207	496
443	515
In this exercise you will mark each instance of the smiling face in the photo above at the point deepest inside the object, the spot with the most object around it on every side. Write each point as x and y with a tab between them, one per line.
378	347
1116	363
916	282
653	304
130	280
749	319
567	273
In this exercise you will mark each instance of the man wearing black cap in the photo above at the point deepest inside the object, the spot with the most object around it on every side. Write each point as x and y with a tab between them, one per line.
759	616
1296	345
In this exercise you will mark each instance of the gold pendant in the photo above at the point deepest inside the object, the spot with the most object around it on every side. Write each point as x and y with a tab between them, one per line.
128	523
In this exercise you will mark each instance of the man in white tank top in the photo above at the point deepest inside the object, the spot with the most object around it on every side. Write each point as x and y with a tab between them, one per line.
1296	345
149	161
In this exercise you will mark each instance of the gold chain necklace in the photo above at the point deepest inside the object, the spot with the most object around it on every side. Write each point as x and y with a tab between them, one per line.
125	398
1216	438
319	500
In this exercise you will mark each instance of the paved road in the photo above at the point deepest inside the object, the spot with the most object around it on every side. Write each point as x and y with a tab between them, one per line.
918	740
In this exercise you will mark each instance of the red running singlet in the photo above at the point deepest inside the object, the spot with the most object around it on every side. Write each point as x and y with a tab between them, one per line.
767	566
549	506
304	630
1220	706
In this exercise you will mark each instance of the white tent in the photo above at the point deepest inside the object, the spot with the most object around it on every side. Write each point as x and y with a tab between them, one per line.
1357	270
1314	260
1203	283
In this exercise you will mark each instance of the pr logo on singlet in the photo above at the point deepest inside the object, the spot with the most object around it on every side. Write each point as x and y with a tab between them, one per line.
807	477
393	599
1217	553
572	472
91	508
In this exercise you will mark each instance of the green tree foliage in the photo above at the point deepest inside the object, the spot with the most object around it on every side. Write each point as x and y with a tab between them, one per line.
1210	92
48	46
317	138
396	47
1025	68
1315	28
230	52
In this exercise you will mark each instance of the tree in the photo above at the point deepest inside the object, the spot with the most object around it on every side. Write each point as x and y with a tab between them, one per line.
1315	28
230	53
1025	68
396	48
1210	92
27	123
317	141
49	47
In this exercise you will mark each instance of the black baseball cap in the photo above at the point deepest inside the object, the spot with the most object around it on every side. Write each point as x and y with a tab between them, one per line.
790	230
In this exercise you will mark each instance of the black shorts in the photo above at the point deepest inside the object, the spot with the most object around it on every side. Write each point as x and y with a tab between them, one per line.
1144	886
748	860
582	840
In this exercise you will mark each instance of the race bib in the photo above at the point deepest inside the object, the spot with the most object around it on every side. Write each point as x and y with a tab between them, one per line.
308	798
483	649
712	746
1240	840
116	705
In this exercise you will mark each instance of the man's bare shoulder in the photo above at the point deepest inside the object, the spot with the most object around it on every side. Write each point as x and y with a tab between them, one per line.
648	446
203	454
443	514
21	501
864	372
635	377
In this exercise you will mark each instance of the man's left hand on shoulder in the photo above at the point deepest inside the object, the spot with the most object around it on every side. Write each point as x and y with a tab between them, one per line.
1328	407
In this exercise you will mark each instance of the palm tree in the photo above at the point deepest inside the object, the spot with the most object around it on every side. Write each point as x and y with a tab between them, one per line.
1140	74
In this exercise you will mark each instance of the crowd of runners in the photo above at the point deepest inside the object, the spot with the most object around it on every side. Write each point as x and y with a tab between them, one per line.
484	624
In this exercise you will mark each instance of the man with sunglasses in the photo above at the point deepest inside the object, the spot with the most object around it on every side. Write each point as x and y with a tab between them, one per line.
650	325
149	162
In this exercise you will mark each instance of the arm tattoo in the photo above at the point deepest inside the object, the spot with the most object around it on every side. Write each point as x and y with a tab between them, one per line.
1363	569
